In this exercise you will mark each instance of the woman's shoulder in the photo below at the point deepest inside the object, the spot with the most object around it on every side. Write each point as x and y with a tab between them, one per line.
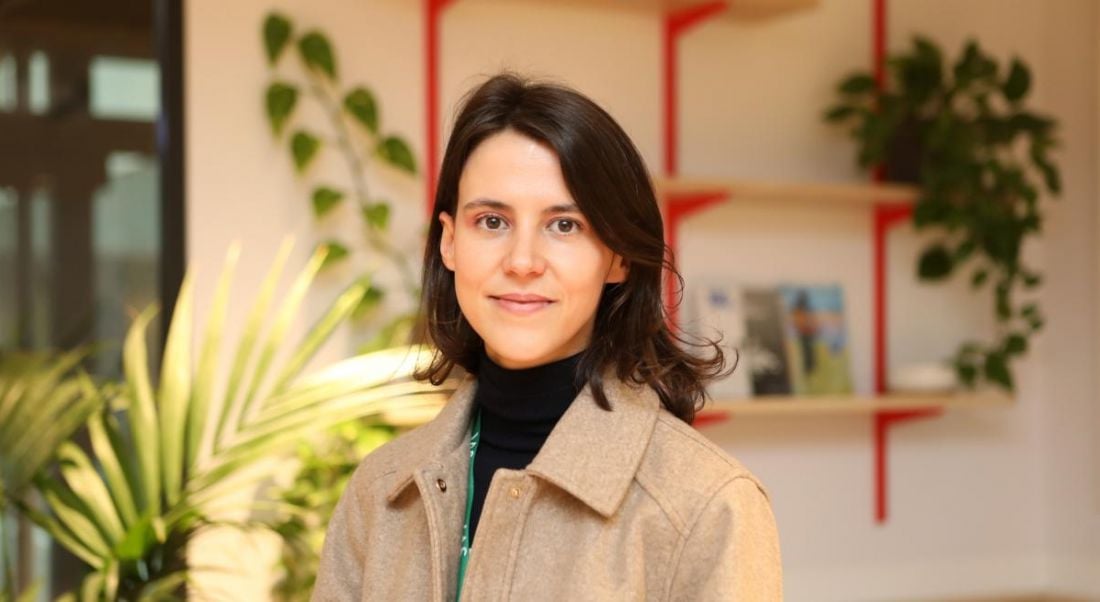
686	471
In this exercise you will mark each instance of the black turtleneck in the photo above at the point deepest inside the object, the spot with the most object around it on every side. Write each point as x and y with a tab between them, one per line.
518	408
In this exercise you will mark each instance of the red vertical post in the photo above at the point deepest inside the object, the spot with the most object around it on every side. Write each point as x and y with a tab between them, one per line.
677	23
676	207
886	216
433	9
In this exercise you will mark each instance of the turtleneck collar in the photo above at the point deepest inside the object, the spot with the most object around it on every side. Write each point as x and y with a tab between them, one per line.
519	407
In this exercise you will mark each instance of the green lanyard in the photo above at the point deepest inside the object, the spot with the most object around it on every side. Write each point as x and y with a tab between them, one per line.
475	436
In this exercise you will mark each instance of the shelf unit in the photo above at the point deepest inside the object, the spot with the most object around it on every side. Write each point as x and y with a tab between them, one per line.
855	404
890	205
813	192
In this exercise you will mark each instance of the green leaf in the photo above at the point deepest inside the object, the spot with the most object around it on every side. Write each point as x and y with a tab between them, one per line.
859	83
966	372
303	146
1018	82
361	105
1004	306
86	484
229	407
1032	280
292	300
139	539
935	263
334	253
997	371
325	199
276	34
393	334
174	394
204	403
113	472
377	215
1015	344
281	99
142	411
979	277
371	299
316	52
395	151
839	113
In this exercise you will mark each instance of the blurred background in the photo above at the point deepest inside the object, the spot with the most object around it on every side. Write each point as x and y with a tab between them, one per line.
921	173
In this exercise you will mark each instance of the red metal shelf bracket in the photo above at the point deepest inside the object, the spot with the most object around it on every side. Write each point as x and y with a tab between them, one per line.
676	24
883	421
678	207
886	216
433	9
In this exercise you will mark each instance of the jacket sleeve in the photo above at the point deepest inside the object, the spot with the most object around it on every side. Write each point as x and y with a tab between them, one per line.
731	552
340	572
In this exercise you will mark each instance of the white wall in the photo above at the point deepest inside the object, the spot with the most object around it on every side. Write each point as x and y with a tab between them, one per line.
983	502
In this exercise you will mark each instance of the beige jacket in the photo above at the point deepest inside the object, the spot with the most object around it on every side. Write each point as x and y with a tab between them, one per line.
626	505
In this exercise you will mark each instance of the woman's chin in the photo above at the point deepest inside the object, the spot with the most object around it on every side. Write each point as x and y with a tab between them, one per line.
521	352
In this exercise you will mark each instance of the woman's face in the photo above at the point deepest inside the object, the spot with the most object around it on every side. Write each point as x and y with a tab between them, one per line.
529	270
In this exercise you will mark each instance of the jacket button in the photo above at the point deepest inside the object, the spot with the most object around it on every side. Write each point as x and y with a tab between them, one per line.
441	484
514	492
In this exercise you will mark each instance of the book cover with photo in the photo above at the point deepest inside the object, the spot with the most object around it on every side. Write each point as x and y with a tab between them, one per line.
817	339
719	313
765	350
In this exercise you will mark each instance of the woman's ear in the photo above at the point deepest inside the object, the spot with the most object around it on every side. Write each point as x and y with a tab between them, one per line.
447	241
618	271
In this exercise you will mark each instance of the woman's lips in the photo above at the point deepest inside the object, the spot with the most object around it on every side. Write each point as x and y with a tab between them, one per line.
523	307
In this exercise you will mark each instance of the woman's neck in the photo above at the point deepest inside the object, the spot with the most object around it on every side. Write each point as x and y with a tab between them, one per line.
520	407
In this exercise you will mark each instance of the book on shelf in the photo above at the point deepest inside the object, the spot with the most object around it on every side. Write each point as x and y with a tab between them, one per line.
790	338
817	337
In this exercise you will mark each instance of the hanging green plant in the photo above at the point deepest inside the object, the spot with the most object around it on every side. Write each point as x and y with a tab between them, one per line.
353	128
981	160
354	124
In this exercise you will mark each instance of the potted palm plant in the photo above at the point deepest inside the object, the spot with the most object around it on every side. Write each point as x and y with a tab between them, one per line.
982	159
165	452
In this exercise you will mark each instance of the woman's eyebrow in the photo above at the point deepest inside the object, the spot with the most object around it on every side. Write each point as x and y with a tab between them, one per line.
502	206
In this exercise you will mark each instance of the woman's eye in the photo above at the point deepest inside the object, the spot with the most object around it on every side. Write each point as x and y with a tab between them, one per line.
490	222
567	226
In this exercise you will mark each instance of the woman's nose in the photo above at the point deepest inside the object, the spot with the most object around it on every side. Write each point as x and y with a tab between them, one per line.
525	255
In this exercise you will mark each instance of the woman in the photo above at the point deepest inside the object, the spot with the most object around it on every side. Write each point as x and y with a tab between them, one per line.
564	466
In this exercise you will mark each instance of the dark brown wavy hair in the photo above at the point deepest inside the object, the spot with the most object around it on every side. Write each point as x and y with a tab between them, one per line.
609	182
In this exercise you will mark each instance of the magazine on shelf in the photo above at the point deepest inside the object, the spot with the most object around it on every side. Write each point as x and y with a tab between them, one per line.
817	338
766	350
789	339
749	322
718	314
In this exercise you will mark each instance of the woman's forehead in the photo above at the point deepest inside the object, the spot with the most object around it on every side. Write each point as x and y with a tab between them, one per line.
509	171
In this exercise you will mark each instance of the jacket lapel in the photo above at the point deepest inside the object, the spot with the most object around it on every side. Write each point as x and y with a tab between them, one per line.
594	454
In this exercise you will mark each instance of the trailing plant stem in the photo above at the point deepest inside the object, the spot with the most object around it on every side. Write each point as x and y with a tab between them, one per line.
355	170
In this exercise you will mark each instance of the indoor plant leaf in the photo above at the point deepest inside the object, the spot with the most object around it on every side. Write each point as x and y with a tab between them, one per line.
316	52
377	214
325	199
276	33
1018	82
304	147
395	151
335	252
281	98
361	105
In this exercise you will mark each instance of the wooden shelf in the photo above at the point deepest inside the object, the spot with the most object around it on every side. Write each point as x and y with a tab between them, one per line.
844	404
868	194
739	10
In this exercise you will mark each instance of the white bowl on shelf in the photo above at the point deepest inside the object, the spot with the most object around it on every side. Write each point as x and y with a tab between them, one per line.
923	377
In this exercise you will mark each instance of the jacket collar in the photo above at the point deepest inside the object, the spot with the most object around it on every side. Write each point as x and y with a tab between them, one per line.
592	454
